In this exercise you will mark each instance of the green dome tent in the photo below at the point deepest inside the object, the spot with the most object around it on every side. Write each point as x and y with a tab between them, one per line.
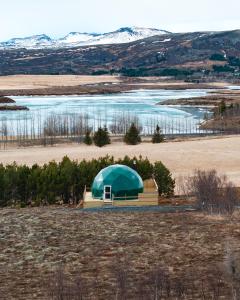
117	181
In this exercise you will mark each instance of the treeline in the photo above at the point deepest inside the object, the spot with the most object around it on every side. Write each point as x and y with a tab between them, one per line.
132	137
224	110
232	65
65	182
144	72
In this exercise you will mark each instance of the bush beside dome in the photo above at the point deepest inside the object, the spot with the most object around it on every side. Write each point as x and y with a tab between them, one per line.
125	183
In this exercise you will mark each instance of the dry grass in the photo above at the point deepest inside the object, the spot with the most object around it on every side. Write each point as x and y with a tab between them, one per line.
182	157
48	84
35	241
16	82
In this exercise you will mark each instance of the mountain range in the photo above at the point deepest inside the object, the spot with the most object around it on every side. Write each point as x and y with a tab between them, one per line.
75	39
131	53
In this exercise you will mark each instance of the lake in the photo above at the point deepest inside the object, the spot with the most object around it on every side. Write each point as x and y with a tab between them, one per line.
105	109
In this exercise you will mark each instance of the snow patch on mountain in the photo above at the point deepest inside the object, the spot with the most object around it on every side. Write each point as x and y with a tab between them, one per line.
34	41
74	39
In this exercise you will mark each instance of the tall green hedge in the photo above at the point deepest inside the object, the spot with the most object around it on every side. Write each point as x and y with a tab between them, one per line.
62	182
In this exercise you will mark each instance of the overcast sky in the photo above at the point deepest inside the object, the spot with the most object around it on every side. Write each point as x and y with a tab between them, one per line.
58	17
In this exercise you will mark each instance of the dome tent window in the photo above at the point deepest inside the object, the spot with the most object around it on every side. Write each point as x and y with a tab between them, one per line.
117	182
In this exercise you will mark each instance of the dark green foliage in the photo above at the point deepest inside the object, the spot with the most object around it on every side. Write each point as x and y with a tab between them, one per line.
87	139
100	72
132	136
65	181
101	137
157	137
222	69
142	166
164	180
222	107
175	72
234	61
227	111
134	72
142	72
218	57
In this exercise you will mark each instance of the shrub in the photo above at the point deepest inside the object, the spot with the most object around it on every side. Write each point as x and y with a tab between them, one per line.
132	136
141	165
234	61
87	139
157	137
101	137
100	72
214	193
176	72
222	107
156	282
222	69
217	57
164	180
64	182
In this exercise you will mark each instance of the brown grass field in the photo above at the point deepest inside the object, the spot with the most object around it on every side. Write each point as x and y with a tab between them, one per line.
83	84
16	82
181	157
36	241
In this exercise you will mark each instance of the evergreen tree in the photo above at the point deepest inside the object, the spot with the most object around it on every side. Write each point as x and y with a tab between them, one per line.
87	139
157	137
132	136
164	180
101	137
65	181
222	107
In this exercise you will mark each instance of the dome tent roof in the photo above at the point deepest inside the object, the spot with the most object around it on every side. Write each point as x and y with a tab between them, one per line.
124	182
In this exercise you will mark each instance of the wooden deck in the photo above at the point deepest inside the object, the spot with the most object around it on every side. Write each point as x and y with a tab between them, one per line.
148	198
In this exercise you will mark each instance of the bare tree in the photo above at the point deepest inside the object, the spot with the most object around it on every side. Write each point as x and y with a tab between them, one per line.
214	193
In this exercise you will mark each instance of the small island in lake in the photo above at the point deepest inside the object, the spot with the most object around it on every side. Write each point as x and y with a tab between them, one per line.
6	100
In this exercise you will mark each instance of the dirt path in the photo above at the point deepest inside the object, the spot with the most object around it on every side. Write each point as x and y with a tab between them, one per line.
222	154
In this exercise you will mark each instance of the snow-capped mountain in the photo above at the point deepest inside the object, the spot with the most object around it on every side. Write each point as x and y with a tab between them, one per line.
123	35
35	41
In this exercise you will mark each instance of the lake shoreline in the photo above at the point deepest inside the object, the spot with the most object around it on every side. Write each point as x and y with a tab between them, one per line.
44	85
99	90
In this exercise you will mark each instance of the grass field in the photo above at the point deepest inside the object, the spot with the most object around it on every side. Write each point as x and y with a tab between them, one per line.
36	241
181	157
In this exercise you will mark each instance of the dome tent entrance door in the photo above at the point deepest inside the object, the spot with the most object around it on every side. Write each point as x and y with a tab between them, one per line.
107	192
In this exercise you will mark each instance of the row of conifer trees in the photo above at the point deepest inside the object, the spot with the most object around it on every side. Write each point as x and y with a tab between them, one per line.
132	137
65	182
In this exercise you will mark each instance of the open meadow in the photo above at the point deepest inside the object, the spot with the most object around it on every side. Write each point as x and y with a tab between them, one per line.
181	157
16	85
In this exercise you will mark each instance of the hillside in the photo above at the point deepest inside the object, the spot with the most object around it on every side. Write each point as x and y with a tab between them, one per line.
196	54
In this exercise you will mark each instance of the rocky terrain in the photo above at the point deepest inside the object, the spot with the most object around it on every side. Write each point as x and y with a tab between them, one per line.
35	242
190	55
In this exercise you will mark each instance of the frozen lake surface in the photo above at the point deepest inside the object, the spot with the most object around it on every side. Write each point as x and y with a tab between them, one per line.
104	109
